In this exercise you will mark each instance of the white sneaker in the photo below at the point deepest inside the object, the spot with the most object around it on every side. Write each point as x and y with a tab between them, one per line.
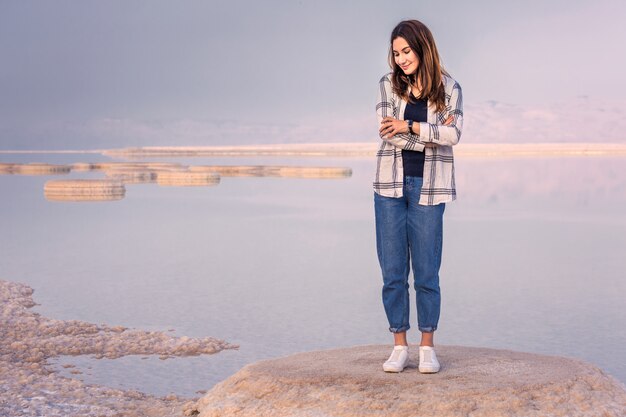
398	360
428	360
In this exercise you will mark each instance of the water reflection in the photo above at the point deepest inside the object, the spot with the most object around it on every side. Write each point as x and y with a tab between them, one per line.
252	262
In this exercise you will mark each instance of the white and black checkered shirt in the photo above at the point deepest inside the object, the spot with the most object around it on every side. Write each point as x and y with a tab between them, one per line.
438	185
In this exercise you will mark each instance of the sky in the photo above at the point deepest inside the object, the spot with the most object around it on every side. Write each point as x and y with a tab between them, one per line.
93	74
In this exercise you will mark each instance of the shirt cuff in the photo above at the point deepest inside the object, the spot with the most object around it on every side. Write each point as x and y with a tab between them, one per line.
424	132
418	146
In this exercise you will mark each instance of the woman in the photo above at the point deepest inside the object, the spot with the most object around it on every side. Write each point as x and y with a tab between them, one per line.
420	111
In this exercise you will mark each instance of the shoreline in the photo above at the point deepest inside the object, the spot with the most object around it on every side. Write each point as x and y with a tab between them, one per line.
28	340
356	149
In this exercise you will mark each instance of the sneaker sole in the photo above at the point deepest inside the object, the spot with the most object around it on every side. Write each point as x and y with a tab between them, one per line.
393	370
429	370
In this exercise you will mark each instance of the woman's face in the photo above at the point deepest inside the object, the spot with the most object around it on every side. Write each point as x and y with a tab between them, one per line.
404	56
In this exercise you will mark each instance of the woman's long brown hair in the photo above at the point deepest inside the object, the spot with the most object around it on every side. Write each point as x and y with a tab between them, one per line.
429	69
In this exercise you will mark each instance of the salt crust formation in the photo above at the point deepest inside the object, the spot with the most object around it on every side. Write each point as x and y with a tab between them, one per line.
34	168
84	190
368	149
28	387
131	176
6	168
187	178
163	173
274	171
472	382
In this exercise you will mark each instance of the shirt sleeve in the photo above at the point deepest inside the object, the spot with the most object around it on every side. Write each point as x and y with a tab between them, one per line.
450	134
387	106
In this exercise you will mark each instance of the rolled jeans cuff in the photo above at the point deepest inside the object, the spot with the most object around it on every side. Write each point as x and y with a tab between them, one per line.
399	329
427	329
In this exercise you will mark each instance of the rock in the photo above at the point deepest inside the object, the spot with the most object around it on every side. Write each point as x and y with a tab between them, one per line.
476	382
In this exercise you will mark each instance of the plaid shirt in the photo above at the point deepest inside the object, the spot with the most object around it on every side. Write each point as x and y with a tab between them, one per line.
438	185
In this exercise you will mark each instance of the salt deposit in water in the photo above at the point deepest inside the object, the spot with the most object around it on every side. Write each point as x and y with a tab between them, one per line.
274	171
187	178
6	168
84	190
36	168
117	174
29	386
132	176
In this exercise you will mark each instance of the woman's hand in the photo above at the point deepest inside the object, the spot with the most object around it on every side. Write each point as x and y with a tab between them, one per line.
390	127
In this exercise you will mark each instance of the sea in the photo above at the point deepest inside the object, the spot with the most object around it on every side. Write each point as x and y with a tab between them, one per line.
534	259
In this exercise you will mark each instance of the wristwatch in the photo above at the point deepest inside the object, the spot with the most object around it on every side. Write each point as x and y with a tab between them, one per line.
410	126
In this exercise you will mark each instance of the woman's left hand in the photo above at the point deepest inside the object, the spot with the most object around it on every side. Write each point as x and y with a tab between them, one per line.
390	127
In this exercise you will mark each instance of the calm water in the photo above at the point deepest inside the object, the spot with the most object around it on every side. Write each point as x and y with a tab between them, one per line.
533	261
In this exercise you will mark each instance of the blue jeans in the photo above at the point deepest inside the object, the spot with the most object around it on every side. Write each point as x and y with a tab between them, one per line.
409	234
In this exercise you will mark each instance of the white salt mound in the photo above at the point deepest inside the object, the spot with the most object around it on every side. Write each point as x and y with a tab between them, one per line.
472	382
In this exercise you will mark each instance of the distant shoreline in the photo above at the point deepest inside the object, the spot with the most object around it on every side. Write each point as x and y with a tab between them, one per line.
356	149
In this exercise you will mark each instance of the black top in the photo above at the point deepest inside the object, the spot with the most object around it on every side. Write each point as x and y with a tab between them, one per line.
413	161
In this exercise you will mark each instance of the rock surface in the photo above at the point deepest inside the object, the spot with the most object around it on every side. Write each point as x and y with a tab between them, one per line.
476	382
